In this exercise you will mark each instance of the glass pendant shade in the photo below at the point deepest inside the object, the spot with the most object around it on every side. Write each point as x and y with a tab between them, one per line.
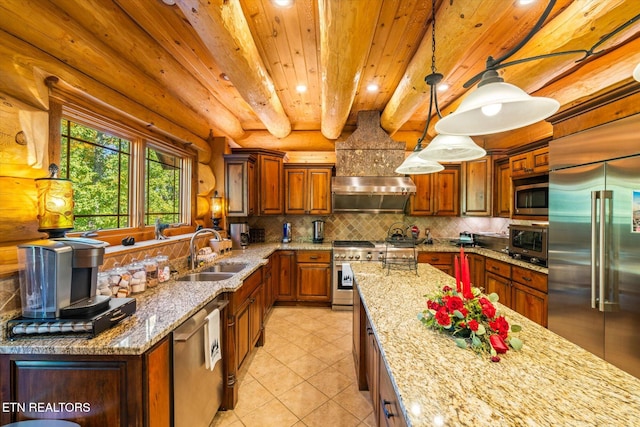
496	107
414	165
452	148
636	73
55	204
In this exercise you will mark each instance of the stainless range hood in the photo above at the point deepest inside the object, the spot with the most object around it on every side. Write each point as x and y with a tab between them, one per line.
372	194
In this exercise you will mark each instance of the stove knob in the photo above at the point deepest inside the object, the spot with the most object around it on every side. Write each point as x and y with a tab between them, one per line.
350	256
534	260
343	256
369	256
336	256
404	256
357	257
380	256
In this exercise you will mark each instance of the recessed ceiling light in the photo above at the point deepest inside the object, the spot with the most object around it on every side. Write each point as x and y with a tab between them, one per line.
283	3
442	87
223	76
372	87
301	88
526	2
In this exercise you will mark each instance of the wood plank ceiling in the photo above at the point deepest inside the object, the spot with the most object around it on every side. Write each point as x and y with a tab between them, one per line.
233	66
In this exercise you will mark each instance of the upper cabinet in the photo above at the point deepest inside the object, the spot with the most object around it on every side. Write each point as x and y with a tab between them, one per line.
503	189
531	163
263	193
476	187
437	194
307	189
240	184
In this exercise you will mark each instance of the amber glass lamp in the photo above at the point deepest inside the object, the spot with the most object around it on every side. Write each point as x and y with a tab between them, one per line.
55	204
216	210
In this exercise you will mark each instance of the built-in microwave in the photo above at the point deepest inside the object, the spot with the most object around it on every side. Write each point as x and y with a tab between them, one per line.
531	199
528	242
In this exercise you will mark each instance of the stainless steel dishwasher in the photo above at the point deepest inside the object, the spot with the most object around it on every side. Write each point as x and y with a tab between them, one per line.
197	390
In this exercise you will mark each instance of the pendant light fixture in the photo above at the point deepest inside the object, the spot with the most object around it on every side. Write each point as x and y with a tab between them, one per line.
636	73
443	147
497	106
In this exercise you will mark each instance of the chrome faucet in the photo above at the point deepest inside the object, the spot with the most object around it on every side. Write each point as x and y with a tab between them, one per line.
192	248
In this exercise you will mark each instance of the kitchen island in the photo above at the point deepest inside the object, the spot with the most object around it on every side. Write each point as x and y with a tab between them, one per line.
550	382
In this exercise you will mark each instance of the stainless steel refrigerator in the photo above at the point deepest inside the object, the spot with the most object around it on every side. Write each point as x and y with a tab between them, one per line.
594	241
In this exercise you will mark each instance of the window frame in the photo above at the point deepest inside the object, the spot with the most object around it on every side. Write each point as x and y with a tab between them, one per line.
140	140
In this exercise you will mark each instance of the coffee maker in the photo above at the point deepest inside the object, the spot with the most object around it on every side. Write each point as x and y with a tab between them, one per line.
59	278
239	235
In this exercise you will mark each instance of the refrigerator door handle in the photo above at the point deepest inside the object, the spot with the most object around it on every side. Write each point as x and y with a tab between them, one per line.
595	195
602	249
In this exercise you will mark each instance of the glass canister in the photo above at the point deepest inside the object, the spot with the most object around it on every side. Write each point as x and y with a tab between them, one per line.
164	269
151	269
138	277
120	281
104	287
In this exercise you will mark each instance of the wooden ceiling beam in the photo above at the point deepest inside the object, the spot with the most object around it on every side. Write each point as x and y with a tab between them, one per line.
346	34
223	28
32	65
454	21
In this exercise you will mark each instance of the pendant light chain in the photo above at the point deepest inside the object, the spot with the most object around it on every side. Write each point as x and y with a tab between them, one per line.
433	36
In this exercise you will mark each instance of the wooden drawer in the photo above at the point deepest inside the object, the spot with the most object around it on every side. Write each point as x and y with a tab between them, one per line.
498	267
530	278
248	286
436	258
313	256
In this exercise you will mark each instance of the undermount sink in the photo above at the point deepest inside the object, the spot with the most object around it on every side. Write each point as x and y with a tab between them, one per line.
205	276
225	268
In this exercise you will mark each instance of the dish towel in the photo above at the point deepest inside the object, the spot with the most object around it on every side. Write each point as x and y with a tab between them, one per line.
347	276
212	351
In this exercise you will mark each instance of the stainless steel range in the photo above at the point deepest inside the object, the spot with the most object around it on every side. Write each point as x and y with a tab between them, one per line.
355	251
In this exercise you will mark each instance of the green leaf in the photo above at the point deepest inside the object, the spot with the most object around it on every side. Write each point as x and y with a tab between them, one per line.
515	343
493	297
458	314
461	342
476	342
481	330
516	328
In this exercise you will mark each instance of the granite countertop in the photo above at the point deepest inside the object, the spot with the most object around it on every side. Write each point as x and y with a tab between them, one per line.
159	310
549	382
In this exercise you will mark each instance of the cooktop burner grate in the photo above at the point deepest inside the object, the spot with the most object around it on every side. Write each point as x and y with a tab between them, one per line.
353	244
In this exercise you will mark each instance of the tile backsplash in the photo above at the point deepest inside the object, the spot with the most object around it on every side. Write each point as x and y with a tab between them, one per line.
368	226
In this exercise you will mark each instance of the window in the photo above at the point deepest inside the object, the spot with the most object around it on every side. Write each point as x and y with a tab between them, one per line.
114	187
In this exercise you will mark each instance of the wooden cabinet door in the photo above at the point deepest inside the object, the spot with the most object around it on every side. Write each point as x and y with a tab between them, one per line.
540	160
115	402
240	182
243	334
271	199
421	203
256	316
530	303
372	357
313	282
446	189
503	190
296	194
520	165
500	285
477	187
476	269
319	195
159	397
286	290
389	412
267	281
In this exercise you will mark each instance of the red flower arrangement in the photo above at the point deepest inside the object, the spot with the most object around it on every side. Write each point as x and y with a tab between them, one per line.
469	316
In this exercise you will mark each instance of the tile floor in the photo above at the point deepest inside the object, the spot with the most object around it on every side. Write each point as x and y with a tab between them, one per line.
303	376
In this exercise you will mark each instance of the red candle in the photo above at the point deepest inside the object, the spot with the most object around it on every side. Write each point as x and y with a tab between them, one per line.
466	279
457	270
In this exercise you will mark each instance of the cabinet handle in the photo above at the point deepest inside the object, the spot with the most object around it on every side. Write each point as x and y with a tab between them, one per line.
252	300
369	331
493	267
386	412
313	257
435	259
526	279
